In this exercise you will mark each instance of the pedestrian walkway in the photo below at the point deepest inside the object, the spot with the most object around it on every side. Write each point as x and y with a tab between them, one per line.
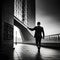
30	52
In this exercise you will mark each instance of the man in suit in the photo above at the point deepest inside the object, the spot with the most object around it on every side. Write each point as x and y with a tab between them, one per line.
39	34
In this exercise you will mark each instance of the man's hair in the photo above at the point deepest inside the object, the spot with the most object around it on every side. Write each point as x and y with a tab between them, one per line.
38	23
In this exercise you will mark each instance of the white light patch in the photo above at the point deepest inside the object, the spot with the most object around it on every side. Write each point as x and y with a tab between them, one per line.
17	35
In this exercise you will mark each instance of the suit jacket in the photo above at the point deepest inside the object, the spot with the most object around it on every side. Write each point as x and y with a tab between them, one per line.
38	31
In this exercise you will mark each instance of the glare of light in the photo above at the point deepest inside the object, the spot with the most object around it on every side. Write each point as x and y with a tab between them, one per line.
45	52
17	35
17	52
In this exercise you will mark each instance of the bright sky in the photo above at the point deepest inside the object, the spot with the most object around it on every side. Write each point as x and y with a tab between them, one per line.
48	13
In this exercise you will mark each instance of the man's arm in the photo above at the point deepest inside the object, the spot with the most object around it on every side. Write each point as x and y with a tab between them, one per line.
31	29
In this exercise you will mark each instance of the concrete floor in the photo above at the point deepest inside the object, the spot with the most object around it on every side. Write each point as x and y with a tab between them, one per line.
30	52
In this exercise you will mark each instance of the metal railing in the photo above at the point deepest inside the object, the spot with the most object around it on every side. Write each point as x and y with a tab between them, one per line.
54	38
54	35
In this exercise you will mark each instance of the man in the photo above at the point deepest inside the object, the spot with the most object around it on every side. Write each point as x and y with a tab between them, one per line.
39	34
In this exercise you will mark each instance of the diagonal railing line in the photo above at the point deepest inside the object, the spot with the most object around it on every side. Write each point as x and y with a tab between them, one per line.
18	20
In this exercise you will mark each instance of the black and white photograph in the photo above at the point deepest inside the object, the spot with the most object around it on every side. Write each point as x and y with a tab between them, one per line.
30	30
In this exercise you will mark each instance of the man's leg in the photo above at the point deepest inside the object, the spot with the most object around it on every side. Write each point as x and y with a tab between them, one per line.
36	42
40	42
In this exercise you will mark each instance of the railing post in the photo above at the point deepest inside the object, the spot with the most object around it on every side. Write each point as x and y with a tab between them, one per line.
49	37
58	37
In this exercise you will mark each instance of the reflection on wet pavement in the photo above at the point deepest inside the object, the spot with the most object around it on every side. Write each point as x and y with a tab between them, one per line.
30	52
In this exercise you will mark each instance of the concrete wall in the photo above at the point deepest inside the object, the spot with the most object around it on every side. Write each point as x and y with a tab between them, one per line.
7	28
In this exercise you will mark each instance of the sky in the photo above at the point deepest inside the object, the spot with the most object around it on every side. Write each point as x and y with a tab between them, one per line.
48	13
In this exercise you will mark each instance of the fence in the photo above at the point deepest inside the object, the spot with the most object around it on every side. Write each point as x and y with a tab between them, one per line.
54	38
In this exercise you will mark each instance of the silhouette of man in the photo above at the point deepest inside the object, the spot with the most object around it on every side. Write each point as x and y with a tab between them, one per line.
39	34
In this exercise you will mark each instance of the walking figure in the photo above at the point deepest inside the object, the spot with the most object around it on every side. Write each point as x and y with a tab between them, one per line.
39	34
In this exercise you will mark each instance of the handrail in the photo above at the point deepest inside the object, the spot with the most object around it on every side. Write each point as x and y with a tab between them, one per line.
53	35
53	38
18	20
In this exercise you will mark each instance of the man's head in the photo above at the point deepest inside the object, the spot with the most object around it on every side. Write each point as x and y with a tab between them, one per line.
38	23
